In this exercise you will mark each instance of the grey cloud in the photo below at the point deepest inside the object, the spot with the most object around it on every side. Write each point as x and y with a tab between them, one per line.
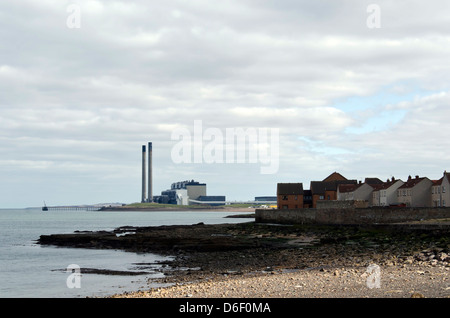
85	99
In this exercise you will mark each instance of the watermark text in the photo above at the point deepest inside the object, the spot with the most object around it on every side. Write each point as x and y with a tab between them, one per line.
74	279
236	145
374	19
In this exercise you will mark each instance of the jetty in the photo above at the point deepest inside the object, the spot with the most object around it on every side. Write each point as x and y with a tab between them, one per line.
73	208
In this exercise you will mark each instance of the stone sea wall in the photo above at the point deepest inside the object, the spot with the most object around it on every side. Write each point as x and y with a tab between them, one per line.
349	215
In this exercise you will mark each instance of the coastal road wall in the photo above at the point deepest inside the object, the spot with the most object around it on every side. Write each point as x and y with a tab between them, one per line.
349	215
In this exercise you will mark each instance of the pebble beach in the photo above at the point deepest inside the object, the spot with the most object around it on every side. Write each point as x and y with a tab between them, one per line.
395	282
308	263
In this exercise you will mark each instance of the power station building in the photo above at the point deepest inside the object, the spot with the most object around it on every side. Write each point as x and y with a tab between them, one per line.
188	192
182	193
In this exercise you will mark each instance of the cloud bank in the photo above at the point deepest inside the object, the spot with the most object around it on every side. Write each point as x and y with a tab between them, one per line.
77	103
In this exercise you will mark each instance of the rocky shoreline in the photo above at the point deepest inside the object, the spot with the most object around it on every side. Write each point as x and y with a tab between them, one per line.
262	260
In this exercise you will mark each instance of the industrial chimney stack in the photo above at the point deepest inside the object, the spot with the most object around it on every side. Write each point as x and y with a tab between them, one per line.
150	174
143	175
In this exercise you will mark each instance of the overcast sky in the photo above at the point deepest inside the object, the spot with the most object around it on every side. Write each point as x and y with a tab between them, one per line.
84	84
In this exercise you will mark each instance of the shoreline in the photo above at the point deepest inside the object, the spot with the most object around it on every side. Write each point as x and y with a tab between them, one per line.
177	208
232	260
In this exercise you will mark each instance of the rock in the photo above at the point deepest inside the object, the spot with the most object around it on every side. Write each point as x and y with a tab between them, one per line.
417	295
409	260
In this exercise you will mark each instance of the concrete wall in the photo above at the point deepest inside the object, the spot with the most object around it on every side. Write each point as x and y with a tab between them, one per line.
349	215
194	191
337	204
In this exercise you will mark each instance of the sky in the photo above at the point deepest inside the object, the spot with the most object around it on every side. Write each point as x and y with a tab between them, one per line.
353	86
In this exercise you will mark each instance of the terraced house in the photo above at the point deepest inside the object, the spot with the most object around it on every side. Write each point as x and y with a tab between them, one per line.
415	192
327	189
440	191
385	194
359	192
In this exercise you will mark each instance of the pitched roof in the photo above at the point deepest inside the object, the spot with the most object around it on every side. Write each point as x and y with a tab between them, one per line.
377	187
385	185
343	188
412	182
371	181
289	188
437	182
351	187
319	187
335	176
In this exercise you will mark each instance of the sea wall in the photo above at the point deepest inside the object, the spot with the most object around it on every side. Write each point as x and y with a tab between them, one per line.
349	215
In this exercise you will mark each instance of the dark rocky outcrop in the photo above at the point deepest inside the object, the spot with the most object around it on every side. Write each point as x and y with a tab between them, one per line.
162	239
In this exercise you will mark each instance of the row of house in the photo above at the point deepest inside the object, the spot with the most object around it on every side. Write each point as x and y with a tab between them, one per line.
414	192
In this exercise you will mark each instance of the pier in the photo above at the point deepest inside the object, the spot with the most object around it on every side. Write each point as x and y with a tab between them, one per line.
74	208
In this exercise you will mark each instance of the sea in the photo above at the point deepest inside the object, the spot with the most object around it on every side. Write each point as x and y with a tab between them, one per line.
30	270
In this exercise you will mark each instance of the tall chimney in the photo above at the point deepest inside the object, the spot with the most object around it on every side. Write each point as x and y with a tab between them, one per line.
143	174
150	173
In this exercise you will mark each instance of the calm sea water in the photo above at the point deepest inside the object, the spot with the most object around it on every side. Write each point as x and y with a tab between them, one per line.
29	270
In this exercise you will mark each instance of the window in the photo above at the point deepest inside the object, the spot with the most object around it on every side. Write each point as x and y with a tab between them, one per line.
443	189
285	197
328	197
295	198
321	197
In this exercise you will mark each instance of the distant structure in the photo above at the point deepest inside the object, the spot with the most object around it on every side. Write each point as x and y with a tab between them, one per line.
271	199
150	173
143	199
188	192
147	197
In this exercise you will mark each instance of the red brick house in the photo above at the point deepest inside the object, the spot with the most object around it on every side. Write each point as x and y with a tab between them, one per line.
327	189
290	195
